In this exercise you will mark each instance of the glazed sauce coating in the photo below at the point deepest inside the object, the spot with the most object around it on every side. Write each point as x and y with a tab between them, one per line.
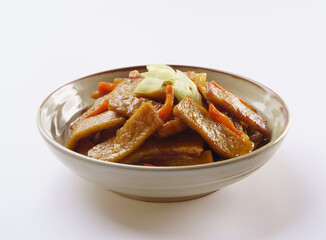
170	128
222	140
228	101
204	157
88	126
182	144
140	126
123	99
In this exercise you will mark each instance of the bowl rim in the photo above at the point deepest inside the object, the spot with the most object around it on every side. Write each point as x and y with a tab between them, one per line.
269	145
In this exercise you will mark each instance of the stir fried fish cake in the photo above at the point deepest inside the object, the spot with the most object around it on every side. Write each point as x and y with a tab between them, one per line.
180	145
221	139
170	128
88	126
123	99
204	157
96	105
231	128
232	104
140	126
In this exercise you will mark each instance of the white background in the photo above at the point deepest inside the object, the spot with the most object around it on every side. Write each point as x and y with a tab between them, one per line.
45	44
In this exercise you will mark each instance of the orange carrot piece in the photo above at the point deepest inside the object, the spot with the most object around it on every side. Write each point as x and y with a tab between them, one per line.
105	87
223	119
218	86
167	107
148	165
102	108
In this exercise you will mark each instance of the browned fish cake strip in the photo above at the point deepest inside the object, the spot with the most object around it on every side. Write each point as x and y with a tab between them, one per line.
221	139
123	99
185	144
158	95
84	145
140	126
88	126
204	157
231	103
170	128
98	102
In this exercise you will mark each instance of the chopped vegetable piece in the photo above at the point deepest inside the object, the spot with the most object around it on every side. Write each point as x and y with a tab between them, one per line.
148	165
105	87
158	95
182	144
170	128
124	100
100	109
167	107
223	119
159	73
204	157
221	139
96	105
140	126
88	126
231	103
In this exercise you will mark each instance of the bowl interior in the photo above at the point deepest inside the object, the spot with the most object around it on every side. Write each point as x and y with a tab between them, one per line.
66	104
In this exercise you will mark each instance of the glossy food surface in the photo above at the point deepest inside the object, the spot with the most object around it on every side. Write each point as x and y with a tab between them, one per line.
219	138
134	132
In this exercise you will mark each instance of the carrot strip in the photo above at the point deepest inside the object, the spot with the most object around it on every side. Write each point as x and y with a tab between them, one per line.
105	87
223	119
148	165
218	86
167	107
102	108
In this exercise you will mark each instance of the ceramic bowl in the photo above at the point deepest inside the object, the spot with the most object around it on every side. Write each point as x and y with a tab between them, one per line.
160	184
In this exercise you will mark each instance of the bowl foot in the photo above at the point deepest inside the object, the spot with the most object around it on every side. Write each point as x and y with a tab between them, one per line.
163	199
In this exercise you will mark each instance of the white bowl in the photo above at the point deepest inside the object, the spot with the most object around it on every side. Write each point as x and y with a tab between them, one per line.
161	184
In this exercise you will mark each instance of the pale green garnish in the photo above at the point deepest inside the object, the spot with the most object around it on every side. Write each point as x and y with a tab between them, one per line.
159	73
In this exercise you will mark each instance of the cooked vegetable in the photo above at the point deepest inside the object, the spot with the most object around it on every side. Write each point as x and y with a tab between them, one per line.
140	126
158	74
89	110
102	108
167	107
105	87
128	122
225	120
